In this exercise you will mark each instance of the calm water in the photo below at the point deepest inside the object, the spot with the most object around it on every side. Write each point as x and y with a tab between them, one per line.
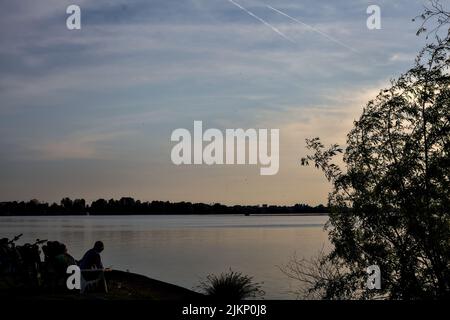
184	249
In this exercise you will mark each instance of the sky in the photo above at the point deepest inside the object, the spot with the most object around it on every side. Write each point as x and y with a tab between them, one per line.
89	113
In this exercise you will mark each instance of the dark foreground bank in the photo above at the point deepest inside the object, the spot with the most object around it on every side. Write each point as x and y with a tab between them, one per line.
121	286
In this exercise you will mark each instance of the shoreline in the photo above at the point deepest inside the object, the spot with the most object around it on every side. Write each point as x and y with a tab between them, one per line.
175	214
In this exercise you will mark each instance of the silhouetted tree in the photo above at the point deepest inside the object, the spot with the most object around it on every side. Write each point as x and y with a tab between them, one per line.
127	206
66	203
391	205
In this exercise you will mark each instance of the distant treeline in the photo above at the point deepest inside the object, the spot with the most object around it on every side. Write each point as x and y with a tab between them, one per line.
129	206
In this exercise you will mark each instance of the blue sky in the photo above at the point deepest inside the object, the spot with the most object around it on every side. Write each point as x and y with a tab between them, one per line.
89	113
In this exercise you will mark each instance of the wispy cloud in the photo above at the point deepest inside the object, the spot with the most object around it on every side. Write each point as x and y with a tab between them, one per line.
80	145
312	28
402	57
275	29
97	105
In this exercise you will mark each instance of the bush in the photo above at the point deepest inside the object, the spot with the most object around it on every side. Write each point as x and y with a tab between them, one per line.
231	285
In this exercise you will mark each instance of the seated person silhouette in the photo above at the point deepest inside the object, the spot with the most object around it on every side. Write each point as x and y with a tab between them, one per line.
92	259
92	268
63	259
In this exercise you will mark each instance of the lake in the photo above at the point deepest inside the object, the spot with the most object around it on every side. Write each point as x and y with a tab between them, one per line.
182	249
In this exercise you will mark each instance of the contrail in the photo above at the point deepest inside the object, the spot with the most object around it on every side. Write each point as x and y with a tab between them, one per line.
312	28
262	20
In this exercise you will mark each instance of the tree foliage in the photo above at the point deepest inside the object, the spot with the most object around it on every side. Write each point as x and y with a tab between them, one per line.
390	206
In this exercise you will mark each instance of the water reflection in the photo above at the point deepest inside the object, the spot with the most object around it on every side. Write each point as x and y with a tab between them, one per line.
182	249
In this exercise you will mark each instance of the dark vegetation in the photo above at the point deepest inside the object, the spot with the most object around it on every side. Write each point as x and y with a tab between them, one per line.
396	180
126	206
23	269
230	286
38	271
